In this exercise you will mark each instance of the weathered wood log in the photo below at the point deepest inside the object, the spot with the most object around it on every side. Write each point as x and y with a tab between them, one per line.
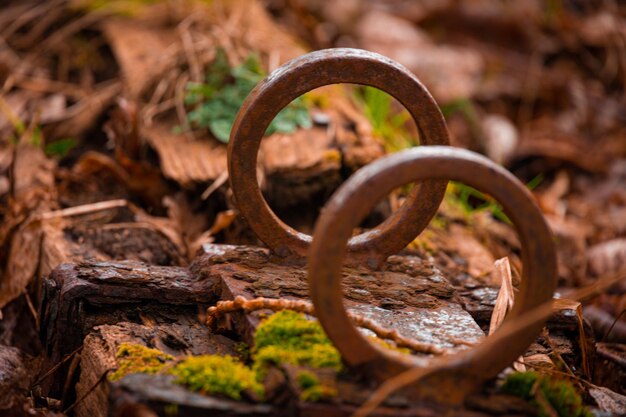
76	298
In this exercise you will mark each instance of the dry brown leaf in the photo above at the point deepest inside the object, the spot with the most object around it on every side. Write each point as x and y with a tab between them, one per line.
539	360
222	221
183	160
451	73
506	295
504	301
479	260
143	52
607	256
23	260
80	117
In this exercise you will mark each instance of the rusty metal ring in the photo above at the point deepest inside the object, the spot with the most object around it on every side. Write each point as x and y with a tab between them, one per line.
317	69
354	200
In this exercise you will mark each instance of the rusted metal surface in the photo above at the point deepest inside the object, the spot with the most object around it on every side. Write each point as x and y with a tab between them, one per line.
452	376
317	69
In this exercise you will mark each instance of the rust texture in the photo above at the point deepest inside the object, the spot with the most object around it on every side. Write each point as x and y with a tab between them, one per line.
317	69
451	377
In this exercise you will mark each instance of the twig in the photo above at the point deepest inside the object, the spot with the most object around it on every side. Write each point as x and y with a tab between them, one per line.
546	407
32	308
85	395
68	379
219	181
608	332
57	366
84	209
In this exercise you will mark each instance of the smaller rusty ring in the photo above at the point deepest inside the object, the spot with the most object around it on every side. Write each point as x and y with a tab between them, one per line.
354	200
317	69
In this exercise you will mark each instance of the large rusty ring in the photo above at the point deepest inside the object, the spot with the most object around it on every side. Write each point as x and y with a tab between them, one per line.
354	200
317	69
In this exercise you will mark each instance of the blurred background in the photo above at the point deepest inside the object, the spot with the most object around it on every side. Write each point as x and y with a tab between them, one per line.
114	119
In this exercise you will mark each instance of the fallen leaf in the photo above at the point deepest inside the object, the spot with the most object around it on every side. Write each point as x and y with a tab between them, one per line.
504	302
23	260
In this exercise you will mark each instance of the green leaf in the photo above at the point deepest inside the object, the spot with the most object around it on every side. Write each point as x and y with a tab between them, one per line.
60	147
217	101
221	129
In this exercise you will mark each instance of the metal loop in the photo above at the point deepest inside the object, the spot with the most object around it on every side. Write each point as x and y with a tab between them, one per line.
456	374
317	69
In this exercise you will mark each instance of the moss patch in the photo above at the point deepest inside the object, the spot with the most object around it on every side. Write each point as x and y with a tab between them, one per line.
560	394
311	388
133	358
220	375
284	337
288	337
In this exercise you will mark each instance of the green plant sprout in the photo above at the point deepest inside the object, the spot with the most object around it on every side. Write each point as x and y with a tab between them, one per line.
472	200
388	124
217	101
60	148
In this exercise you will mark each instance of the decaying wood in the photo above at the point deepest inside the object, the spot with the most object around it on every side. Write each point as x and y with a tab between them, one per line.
78	297
98	356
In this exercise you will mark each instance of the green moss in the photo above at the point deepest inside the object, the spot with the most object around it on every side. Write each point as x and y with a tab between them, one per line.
212	374
307	379
134	358
559	393
311	388
284	337
288	337
318	393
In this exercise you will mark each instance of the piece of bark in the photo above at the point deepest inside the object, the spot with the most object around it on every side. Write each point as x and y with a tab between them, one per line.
409	294
78	297
98	356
